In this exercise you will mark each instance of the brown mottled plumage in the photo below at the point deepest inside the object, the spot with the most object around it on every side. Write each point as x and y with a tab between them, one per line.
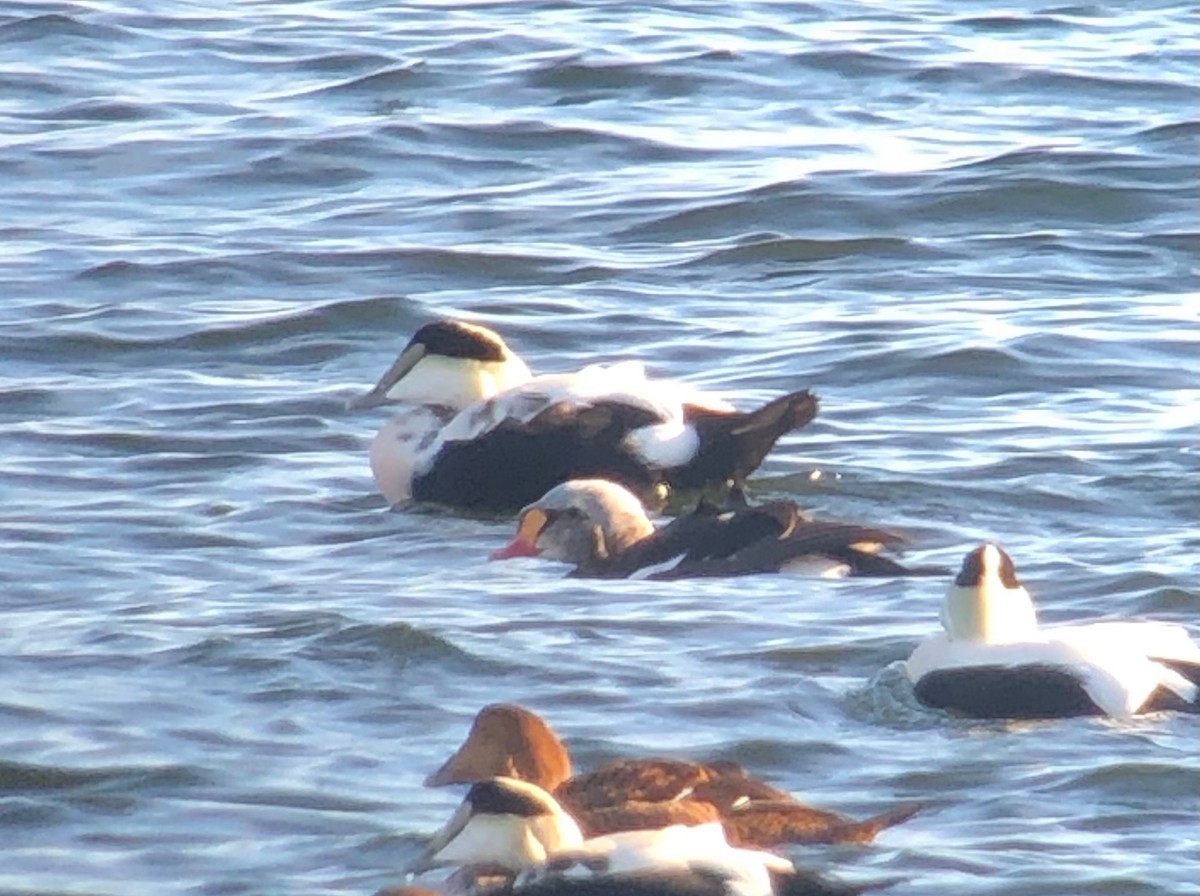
772	822
633	794
636	815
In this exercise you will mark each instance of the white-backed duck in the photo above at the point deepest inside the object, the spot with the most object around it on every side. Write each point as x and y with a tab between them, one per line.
478	432
993	660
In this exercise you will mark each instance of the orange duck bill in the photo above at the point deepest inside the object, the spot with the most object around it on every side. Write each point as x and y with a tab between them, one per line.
524	543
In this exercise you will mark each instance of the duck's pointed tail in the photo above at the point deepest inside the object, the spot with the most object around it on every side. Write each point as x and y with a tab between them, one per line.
732	445
866	831
767	823
1179	689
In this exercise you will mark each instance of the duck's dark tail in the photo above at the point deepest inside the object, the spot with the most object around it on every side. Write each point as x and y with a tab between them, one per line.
732	445
1175	698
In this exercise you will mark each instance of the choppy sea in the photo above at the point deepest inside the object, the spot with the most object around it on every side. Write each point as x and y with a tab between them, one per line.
225	666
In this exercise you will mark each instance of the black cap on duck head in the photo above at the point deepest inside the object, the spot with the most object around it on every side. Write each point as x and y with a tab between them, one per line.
451	339
507	796
987	558
455	339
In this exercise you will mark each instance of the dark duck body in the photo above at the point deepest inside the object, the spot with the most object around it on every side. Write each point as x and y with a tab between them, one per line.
603	529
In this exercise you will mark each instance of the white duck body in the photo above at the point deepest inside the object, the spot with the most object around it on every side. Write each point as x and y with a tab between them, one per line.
994	661
506	448
700	848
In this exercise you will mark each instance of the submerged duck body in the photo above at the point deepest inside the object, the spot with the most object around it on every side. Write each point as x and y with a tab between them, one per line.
994	661
603	529
514	834
479	432
631	794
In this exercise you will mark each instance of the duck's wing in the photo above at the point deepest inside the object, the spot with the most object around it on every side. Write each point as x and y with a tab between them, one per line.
1132	666
624	384
512	462
841	543
632	780
639	816
705	534
730	786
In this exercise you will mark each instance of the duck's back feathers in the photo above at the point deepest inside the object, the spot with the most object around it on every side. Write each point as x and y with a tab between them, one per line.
772	537
503	453
836	542
515	461
634	815
722	784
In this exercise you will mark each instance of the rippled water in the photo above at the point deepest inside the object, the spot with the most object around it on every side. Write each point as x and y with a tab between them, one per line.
227	668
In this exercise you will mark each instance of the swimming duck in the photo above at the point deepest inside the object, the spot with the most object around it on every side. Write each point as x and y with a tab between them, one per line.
514	832
479	432
630	794
993	661
603	529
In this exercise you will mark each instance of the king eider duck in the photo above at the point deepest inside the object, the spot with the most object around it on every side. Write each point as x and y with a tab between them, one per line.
480	433
631	794
513	837
602	528
993	661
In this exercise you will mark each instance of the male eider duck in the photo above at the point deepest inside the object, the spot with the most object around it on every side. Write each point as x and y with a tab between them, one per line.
503	826
512	836
602	528
480	433
630	794
993	661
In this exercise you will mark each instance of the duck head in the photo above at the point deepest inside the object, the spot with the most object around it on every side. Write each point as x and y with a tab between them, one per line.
449	364
502	823
507	740
580	521
986	603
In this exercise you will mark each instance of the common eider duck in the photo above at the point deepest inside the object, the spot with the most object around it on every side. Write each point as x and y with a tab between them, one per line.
503	826
478	432
630	794
993	661
602	528
514	837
